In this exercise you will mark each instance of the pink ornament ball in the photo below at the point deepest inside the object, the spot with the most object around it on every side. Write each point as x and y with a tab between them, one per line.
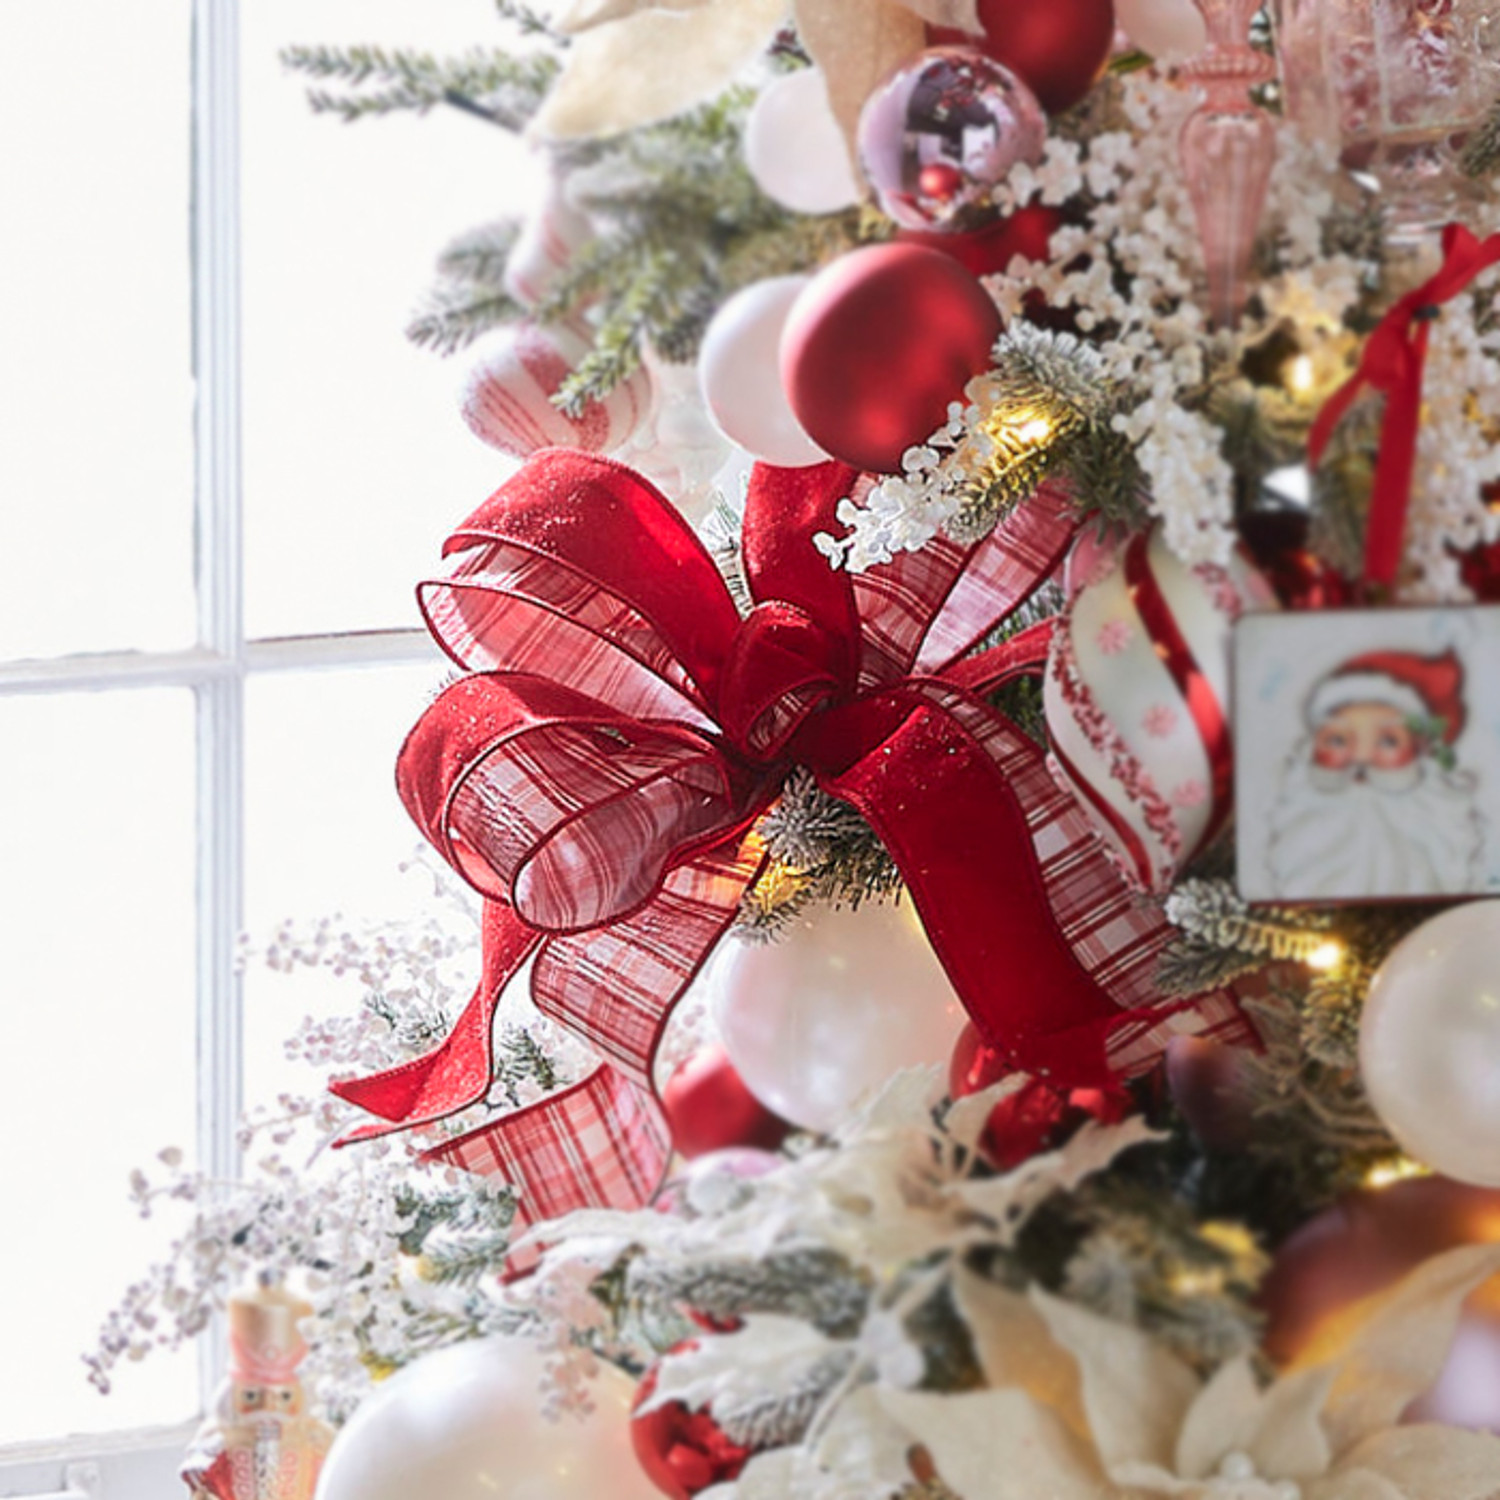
941	132
877	345
1137	697
507	394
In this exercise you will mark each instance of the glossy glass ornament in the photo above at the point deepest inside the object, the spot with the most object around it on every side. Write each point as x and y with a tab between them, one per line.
847	998
1429	1043
1395	85
1228	150
941	131
466	1423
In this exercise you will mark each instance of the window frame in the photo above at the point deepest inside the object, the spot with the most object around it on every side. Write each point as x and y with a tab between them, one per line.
132	1464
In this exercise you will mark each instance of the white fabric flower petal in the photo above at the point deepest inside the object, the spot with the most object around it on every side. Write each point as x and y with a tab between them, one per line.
1388	1350
999	1445
1429	1463
1135	1392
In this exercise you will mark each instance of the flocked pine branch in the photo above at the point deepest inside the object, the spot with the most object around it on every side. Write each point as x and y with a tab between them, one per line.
1481	153
816	1285
478	256
456	314
505	89
776	1421
821	850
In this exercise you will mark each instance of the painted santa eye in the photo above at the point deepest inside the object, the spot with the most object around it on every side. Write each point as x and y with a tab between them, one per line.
254	1397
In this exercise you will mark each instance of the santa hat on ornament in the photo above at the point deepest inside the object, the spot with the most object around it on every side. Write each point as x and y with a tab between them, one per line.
265	1346
1421	687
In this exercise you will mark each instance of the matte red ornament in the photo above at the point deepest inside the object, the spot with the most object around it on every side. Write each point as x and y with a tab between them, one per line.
682	1452
1026	232
878	344
1037	1116
709	1108
1364	1245
1058	47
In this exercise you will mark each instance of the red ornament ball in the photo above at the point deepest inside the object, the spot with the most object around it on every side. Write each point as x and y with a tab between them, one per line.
682	1452
878	344
1037	1117
1059	47
709	1108
1026	232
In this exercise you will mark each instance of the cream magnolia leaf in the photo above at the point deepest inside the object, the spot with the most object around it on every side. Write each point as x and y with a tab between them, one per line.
654	64
1136	1393
1009	1200
960	15
1014	1347
1431	1462
579	15
856	43
999	1445
1387	1350
967	1118
769	1355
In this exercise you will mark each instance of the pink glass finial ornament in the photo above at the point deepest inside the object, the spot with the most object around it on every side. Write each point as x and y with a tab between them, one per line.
1228	149
1396	85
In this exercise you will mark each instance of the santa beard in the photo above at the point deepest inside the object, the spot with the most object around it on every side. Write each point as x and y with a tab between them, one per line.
1408	832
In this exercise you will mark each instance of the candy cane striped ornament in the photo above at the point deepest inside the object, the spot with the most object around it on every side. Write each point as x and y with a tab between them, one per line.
1137	697
546	245
507	394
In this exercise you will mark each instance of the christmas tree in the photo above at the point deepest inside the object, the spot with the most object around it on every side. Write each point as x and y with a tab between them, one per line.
974	746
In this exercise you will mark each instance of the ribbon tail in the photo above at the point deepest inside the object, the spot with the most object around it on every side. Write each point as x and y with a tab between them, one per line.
1385	537
602	1143
617	986
458	1072
980	879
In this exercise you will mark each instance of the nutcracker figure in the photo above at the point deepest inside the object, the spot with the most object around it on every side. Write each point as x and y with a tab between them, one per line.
258	1442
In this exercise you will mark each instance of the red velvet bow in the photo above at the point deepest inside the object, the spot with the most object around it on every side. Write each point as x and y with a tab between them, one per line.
1394	358
597	778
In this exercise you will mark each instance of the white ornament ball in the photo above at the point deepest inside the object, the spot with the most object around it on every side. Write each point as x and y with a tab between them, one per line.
1429	1043
507	394
794	147
465	1423
1170	30
544	249
1137	697
833	1009
739	370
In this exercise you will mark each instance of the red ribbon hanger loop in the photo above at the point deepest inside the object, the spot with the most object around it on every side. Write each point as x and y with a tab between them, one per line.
1393	363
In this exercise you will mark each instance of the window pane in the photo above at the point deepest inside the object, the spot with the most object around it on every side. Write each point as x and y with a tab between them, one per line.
326	835
356	459
96	1029
96	463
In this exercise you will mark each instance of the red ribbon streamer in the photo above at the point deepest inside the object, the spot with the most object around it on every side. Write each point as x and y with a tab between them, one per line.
597	774
1393	362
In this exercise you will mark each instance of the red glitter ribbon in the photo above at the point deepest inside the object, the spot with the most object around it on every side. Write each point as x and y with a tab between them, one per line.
1393	362
598	774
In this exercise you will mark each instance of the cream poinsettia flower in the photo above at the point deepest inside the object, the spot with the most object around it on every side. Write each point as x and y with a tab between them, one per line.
633	62
1084	1409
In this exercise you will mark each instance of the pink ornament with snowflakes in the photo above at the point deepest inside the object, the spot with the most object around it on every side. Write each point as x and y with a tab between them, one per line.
1137	698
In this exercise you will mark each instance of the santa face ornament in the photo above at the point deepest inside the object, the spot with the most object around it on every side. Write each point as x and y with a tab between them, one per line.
1367	754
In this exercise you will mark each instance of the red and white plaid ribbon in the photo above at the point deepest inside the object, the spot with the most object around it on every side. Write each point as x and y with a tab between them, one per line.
597	776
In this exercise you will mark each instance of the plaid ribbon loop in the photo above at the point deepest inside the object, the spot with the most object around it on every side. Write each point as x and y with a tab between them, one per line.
596	776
